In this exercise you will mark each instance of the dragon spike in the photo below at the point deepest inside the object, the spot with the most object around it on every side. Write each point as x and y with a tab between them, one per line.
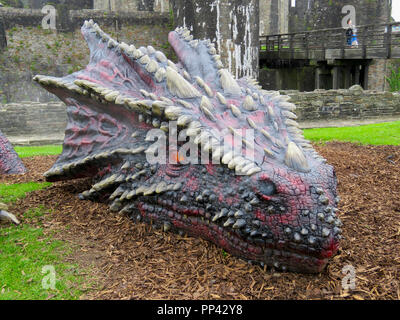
296	159
287	106
235	110
289	115
161	57
206	103
221	98
6	216
291	123
160	74
178	86
249	103
187	75
228	83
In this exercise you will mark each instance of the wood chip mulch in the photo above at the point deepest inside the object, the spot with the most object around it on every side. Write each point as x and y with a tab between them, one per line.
133	261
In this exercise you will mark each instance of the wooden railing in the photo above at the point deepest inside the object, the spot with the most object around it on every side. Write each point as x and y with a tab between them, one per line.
377	41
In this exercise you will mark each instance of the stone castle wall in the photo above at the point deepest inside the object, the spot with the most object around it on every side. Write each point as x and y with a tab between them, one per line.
274	16
322	14
32	50
41	123
33	122
322	108
132	5
32	18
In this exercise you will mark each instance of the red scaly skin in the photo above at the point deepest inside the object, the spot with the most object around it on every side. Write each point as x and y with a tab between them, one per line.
272	201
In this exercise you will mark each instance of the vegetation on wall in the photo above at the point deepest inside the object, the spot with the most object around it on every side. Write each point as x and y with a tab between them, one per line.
33	50
13	3
394	79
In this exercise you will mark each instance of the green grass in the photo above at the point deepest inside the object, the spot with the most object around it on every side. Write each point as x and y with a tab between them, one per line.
13	192
27	256
25	152
375	134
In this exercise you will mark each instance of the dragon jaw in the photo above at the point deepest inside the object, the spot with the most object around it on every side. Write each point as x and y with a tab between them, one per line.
276	207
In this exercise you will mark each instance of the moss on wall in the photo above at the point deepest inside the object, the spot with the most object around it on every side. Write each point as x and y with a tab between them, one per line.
32	50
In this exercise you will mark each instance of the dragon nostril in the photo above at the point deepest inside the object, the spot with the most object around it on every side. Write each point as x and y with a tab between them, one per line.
267	188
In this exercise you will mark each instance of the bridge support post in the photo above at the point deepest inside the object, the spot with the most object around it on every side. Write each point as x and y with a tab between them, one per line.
3	38
335	77
357	74
347	77
318	72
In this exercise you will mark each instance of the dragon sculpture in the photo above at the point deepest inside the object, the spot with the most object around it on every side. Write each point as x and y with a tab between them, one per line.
272	201
10	163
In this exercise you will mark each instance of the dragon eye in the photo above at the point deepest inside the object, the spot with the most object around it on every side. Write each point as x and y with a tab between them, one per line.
267	188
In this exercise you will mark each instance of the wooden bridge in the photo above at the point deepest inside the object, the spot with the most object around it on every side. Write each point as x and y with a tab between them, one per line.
335	63
374	42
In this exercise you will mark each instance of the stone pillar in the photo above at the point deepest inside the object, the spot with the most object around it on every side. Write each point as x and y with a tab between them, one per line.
104	5
233	25
145	5
335	77
318	72
357	74
376	74
366	72
3	38
347	77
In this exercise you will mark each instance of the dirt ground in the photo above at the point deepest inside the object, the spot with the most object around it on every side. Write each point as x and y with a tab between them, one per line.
133	261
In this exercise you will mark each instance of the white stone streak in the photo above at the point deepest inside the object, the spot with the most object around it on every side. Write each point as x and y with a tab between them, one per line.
218	32
239	61
248	54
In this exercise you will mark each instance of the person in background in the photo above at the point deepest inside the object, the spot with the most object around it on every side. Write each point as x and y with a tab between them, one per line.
351	34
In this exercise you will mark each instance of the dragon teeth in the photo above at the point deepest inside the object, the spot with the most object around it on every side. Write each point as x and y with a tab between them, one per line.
161	57
145	59
152	66
173	112
253	171
194	43
160	74
227	157
184	120
229	222
111	96
137	54
150	50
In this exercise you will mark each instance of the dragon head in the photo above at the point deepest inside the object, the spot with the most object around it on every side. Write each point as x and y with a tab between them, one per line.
269	198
